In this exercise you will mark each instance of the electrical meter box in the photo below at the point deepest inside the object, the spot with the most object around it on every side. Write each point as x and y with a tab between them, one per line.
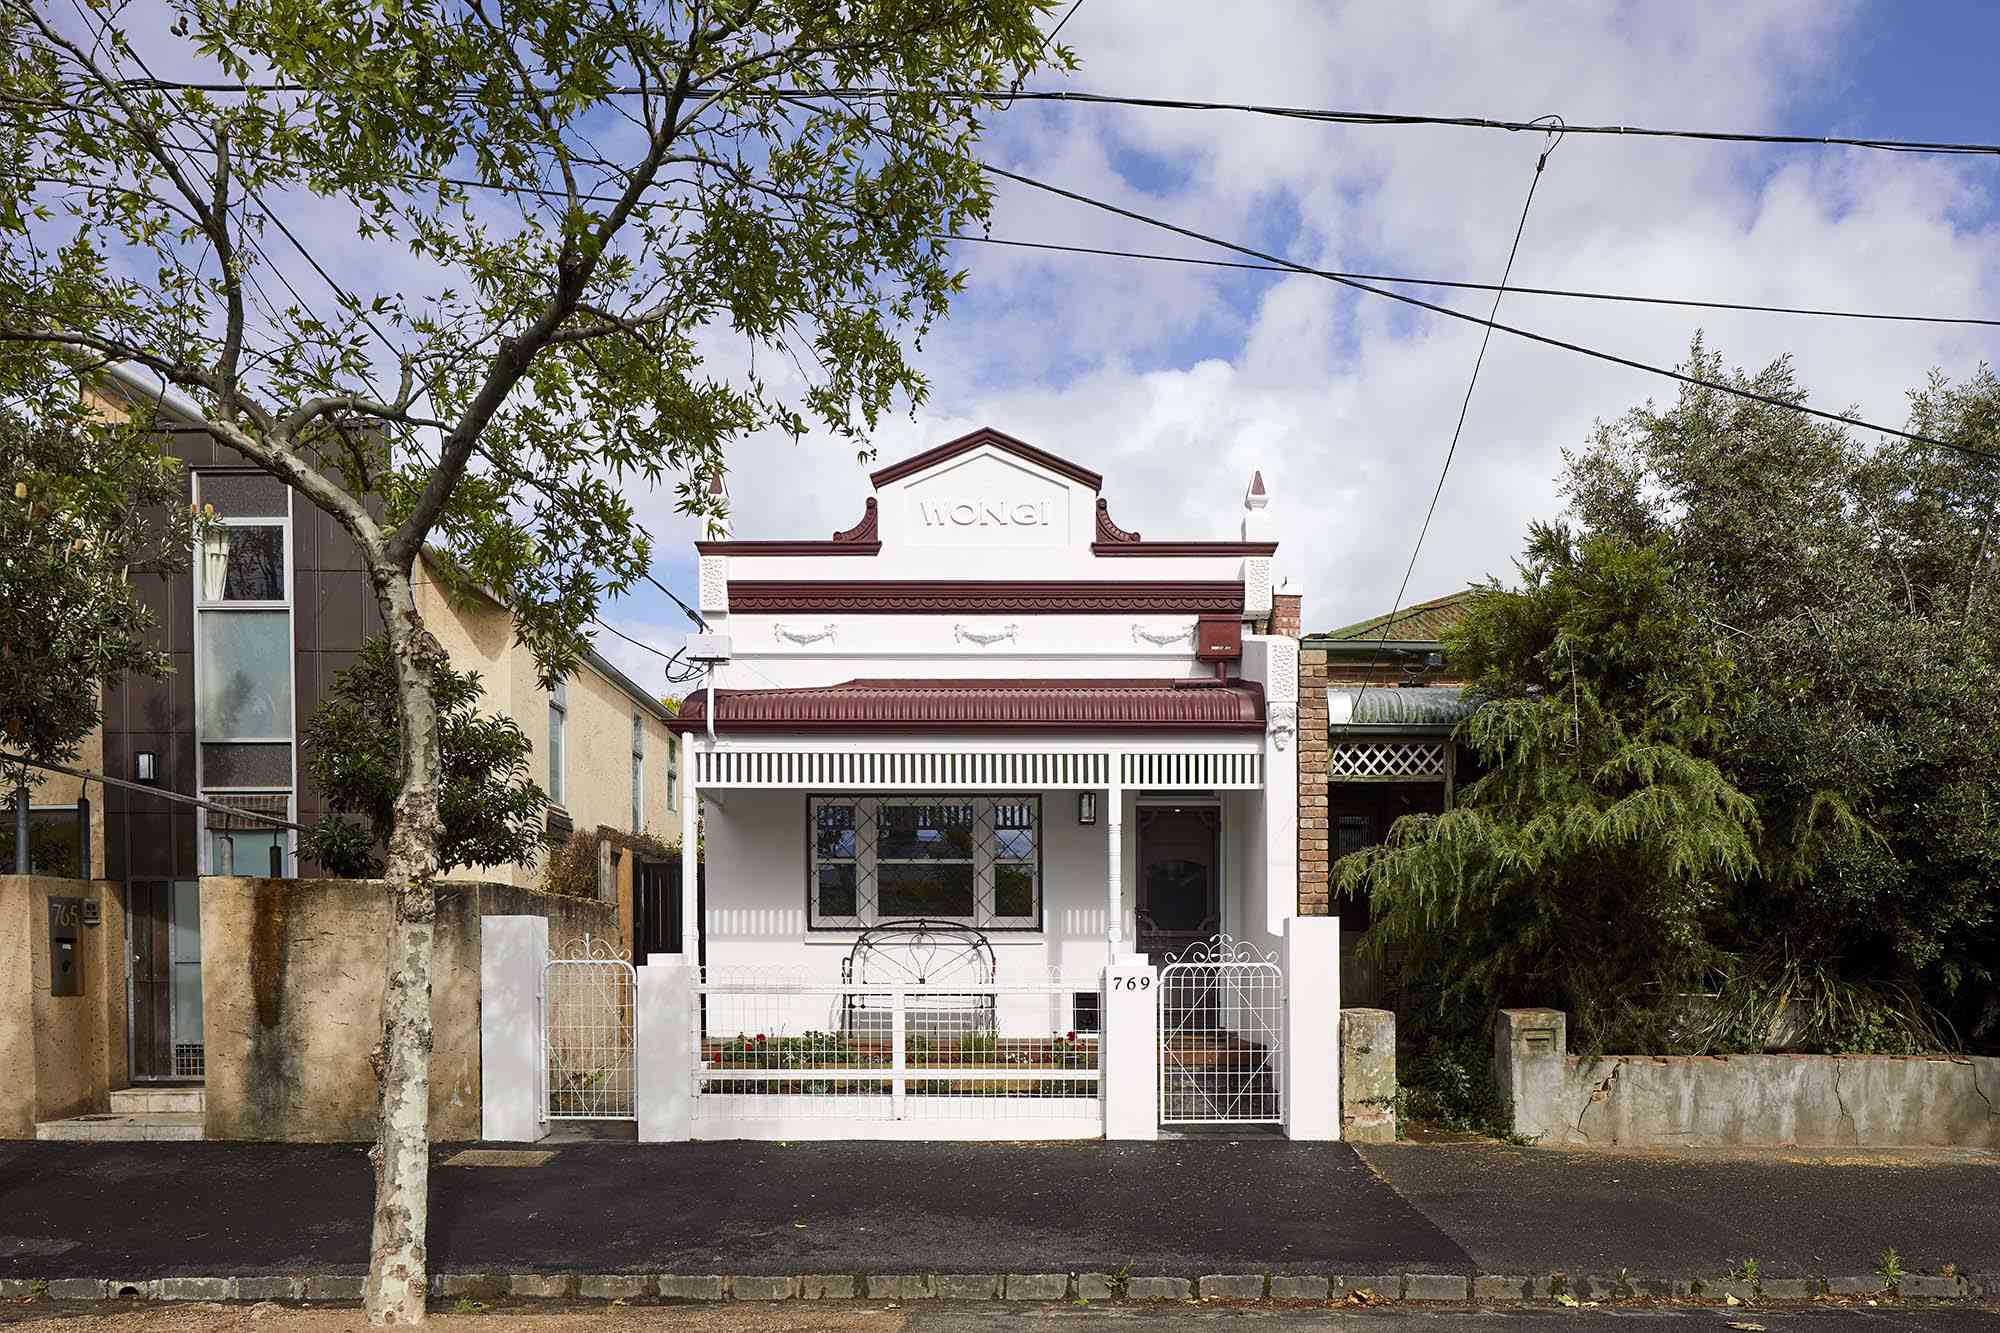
65	946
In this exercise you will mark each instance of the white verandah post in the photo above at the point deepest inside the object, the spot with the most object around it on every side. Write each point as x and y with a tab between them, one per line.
1114	869
691	923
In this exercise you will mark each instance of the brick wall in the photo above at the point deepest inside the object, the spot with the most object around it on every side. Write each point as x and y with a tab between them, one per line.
1285	613
1314	858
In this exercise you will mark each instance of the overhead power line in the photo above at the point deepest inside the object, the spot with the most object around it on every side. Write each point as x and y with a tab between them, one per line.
1459	285
1323	115
1465	404
1528	334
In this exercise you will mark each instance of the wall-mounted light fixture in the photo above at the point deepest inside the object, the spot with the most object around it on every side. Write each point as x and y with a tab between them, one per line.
1086	807
146	766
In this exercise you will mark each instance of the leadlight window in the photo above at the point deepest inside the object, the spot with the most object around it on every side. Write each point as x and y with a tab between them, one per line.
975	860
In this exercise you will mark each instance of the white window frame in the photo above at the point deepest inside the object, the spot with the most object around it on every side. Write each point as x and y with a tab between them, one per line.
867	810
559	744
638	773
204	606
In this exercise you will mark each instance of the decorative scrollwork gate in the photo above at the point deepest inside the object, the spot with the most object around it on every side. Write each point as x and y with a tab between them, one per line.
1222	1013
586	1002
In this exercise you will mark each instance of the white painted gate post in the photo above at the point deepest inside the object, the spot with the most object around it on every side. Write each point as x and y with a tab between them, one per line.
1128	1048
512	953
1312	1027
664	1005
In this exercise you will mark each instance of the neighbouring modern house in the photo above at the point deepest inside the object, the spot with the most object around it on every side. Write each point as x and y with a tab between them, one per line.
988	707
272	609
1379	702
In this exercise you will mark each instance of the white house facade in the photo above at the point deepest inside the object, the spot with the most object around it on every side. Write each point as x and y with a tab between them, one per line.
989	705
996	810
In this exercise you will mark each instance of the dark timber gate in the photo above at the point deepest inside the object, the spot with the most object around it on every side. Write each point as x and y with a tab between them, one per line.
656	908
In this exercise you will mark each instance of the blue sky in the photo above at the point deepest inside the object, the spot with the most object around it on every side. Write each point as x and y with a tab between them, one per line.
1176	382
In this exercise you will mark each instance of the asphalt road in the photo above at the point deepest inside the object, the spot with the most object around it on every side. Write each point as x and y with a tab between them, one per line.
1181	1207
1515	1210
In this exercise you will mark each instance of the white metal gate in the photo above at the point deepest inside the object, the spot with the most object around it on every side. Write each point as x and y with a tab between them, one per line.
1222	1013
780	1054
586	1015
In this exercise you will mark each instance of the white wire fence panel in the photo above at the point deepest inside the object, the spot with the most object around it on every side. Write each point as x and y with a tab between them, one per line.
1222	1012
587	1038
778	1049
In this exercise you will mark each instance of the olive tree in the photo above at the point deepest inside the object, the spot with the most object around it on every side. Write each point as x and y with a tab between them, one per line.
583	245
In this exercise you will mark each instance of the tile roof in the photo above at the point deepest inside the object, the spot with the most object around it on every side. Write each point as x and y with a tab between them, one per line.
1425	622
987	705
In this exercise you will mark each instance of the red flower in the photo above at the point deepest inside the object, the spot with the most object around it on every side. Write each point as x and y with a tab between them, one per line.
760	1037
1071	1036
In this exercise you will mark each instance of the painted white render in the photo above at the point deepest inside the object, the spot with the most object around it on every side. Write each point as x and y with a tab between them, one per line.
989	514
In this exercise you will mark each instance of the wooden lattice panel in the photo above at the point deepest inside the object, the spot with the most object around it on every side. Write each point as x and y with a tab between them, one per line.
1386	761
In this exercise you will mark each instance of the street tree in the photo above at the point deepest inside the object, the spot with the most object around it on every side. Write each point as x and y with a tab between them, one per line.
555	248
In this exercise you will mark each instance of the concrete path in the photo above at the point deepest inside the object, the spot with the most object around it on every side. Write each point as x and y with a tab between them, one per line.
1797	1214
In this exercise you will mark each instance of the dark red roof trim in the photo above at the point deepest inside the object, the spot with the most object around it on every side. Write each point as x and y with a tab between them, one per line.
904	597
1183	548
987	706
861	539
999	440
1109	533
1114	540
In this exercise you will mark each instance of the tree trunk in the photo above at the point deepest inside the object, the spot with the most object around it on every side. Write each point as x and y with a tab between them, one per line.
397	1262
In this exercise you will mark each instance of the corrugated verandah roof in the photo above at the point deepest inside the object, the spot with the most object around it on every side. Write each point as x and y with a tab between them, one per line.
1425	622
1392	706
987	705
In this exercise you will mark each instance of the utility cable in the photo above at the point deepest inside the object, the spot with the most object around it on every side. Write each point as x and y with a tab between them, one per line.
1464	406
1579	348
1323	115
1572	293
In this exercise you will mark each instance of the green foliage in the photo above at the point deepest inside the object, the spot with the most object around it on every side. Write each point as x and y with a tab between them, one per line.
1740	740
571	870
85	505
582	247
492	810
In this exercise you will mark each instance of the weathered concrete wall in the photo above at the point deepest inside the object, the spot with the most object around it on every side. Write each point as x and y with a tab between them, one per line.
1368	1075
1849	1101
292	996
60	1055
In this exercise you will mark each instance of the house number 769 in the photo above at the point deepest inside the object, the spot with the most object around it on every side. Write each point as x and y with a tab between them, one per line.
1132	983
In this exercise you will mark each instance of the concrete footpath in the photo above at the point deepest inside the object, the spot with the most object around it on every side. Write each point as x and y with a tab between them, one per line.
1244	1219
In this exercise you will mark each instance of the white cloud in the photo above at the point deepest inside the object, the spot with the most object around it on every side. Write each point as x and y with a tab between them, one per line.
1176	381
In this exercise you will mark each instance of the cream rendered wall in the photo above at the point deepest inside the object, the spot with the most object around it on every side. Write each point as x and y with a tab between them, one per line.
478	635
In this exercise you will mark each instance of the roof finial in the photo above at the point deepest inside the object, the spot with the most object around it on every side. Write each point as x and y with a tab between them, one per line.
1256	500
719	527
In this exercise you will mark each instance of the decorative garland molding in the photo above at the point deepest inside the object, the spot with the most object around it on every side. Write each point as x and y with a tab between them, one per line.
917	597
985	638
787	632
1161	638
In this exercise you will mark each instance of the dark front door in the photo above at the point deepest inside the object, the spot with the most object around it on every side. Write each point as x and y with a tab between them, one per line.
656	914
149	909
1180	877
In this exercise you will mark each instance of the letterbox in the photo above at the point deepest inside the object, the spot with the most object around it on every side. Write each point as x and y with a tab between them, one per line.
65	950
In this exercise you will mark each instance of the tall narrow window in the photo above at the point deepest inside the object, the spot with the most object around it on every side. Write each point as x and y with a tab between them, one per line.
638	774
673	774
558	718
243	667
